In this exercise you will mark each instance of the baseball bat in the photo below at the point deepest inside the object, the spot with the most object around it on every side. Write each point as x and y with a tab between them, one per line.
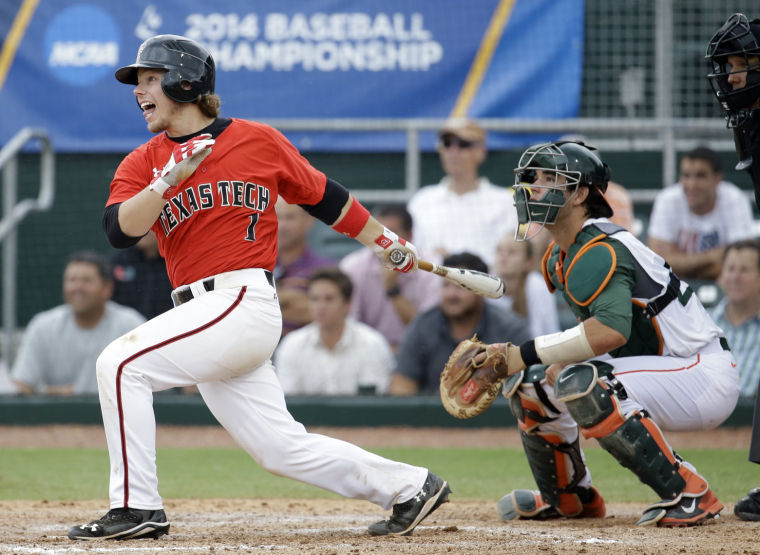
472	280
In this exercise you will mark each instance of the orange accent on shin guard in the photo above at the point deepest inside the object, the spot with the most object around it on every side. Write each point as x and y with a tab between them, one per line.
654	431
609	424
695	484
569	503
527	424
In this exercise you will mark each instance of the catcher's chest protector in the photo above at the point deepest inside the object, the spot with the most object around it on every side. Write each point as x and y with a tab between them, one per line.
582	273
585	270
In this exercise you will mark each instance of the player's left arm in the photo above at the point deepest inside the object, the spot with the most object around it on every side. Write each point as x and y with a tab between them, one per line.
603	284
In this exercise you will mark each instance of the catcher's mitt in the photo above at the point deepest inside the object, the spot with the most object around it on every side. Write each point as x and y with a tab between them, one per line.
468	388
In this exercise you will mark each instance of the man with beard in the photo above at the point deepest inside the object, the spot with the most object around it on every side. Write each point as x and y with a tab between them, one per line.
433	335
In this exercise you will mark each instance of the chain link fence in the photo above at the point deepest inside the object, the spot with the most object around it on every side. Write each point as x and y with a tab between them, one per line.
622	54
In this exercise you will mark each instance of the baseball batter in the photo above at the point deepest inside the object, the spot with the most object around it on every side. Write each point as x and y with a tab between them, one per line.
644	357
207	187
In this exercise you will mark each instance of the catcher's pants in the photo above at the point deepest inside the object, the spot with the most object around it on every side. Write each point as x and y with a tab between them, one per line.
679	393
222	340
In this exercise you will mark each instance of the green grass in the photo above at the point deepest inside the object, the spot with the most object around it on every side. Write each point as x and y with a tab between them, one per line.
75	474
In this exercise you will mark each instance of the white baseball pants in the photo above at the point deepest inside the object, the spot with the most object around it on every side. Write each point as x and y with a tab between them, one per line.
679	393
222	340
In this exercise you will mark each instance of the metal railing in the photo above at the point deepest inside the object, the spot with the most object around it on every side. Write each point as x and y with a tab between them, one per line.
13	213
665	135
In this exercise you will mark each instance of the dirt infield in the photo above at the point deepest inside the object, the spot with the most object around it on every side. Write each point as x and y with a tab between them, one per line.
286	526
339	527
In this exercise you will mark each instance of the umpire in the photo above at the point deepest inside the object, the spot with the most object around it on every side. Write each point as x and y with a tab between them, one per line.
734	57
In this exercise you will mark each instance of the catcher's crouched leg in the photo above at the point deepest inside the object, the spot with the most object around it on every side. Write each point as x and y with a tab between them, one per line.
557	466
637	443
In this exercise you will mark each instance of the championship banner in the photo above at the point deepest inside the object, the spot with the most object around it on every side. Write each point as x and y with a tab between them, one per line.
310	59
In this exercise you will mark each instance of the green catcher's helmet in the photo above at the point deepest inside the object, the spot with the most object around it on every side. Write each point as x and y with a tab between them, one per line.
575	162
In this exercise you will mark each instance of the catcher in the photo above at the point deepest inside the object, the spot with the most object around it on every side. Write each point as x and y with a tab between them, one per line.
644	357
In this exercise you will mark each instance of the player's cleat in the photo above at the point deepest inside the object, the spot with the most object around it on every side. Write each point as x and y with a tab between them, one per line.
529	505
682	511
123	524
407	515
748	507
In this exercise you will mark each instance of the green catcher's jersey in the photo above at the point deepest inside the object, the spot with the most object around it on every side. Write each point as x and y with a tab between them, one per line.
609	274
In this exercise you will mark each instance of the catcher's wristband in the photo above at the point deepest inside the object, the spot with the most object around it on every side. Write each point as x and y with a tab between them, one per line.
570	345
528	353
354	220
161	188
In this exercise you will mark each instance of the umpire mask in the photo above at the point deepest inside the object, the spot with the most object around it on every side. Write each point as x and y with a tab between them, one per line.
737	37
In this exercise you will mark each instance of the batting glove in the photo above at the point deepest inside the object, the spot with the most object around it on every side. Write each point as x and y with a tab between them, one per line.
185	159
395	253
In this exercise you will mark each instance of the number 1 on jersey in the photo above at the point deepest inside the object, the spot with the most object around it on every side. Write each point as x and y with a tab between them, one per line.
251	233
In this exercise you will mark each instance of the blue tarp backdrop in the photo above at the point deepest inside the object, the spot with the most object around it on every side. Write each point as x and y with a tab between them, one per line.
306	59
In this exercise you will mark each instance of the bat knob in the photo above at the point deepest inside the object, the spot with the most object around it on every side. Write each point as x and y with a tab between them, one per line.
396	256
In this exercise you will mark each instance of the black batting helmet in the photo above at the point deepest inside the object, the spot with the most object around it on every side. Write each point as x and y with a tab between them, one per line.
185	60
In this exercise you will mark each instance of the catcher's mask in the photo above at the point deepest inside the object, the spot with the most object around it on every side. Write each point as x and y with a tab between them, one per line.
186	63
565	166
737	37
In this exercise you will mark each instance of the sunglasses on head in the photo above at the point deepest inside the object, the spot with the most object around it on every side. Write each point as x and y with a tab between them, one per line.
449	141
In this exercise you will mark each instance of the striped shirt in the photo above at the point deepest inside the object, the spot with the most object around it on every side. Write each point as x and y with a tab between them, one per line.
744	341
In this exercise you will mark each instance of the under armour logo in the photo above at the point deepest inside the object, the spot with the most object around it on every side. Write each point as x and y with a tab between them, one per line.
90	527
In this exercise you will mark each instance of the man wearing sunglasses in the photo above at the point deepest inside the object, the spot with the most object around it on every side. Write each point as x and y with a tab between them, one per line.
734	57
464	212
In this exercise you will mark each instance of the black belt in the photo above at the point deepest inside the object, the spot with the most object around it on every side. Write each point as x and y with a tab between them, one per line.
186	294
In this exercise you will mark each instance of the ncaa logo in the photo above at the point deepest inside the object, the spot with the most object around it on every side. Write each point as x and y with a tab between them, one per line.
82	45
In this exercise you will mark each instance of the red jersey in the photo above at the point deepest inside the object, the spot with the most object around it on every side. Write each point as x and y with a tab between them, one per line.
222	217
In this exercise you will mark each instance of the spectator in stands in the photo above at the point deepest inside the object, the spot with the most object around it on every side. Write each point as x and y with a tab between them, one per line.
464	212
385	300
616	195
622	207
60	346
738	313
525	291
140	278
295	262
335	354
692	222
433	335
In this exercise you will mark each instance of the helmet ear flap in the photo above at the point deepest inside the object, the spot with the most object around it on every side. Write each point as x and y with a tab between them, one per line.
607	177
172	85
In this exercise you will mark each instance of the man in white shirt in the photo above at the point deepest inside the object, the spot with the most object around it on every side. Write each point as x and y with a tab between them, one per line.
692	222
60	345
335	354
464	212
